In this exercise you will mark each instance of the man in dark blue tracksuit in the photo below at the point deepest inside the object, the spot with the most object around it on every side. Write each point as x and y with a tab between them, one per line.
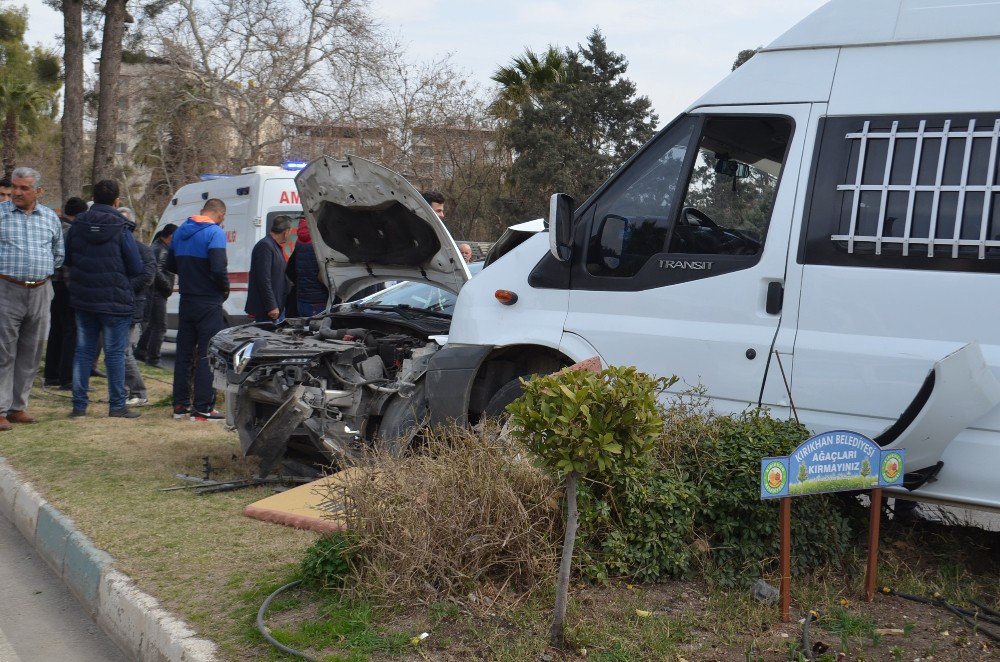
197	254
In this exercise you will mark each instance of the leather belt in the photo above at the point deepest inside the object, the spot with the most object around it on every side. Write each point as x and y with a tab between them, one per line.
30	284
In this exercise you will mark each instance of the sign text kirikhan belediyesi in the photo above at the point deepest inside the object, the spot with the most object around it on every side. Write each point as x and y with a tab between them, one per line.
834	461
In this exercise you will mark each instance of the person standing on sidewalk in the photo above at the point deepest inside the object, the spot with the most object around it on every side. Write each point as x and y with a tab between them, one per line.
104	264
60	346
135	387
197	254
267	285
151	342
31	249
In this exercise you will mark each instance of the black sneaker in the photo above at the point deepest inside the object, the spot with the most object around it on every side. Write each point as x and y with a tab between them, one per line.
156	364
78	413
212	415
125	412
181	411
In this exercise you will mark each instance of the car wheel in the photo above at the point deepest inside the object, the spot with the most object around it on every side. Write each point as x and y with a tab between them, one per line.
403	422
299	469
508	393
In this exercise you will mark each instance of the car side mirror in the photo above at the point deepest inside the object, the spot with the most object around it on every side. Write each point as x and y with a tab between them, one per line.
561	226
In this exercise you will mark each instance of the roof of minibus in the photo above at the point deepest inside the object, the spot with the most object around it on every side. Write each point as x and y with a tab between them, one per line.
868	22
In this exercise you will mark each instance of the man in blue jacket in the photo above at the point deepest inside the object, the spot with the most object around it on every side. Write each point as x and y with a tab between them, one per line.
197	254
105	267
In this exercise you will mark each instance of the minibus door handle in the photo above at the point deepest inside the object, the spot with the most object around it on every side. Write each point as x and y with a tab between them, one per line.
775	296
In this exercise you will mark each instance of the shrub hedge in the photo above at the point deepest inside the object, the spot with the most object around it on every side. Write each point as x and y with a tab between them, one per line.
693	504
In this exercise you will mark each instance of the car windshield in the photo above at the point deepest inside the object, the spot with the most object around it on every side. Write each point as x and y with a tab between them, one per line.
418	296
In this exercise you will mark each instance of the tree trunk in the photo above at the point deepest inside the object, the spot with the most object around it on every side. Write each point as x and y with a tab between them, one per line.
9	137
556	638
71	172
110	72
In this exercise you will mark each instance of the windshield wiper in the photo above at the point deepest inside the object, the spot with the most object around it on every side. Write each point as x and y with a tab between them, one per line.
404	309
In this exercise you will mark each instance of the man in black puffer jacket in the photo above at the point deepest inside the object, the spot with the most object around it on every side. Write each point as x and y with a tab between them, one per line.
104	261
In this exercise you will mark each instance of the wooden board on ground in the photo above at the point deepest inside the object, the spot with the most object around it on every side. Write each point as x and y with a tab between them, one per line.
318	506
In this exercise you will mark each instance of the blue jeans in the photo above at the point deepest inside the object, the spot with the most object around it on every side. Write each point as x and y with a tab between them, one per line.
88	326
310	309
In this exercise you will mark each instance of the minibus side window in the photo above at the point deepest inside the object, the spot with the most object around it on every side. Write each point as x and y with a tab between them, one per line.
730	194
906	192
728	190
635	214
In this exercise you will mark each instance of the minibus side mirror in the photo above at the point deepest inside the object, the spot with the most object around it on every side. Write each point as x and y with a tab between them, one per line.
732	168
561	226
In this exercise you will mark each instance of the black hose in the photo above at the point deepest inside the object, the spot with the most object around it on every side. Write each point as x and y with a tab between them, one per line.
963	614
976	627
262	627
985	609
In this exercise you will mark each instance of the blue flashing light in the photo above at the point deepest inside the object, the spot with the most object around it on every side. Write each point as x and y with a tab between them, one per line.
294	165
209	176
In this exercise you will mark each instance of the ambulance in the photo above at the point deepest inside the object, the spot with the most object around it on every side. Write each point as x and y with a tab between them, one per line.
253	199
819	234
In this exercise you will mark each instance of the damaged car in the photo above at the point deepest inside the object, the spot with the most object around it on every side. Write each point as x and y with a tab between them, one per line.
320	390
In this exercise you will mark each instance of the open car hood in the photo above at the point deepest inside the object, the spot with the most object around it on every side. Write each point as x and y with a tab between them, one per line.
370	225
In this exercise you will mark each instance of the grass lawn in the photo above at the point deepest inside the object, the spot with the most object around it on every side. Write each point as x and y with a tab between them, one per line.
197	554
206	562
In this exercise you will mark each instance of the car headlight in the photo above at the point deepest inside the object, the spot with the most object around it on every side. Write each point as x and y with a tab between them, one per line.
241	358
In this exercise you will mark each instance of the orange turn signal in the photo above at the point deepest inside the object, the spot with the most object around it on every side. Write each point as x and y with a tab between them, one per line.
506	297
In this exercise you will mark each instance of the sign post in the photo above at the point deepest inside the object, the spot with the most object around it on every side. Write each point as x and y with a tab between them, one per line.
836	461
785	601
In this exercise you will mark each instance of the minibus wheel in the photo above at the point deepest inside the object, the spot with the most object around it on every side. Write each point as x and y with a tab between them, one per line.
506	394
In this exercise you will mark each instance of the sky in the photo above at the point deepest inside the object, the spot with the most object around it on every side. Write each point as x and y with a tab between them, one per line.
677	49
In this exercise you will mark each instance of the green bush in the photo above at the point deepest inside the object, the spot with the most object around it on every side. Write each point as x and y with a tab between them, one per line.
584	421
578	422
694	503
327	562
637	522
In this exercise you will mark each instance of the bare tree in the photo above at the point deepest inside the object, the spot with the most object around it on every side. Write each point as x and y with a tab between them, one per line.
259	62
115	17
430	124
178	138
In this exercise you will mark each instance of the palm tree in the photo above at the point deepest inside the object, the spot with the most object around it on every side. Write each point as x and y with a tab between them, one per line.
29	83
21	104
526	79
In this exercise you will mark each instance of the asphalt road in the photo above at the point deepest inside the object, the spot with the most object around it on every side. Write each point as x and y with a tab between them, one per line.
40	620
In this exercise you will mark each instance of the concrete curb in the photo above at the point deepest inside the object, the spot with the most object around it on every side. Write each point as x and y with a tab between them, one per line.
134	620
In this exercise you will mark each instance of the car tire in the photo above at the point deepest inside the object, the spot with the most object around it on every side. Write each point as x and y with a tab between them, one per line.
497	406
403	422
297	469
